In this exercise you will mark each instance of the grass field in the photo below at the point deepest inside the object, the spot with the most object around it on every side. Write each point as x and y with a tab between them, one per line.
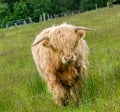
22	89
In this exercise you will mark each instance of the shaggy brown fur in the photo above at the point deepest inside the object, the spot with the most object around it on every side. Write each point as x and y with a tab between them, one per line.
61	60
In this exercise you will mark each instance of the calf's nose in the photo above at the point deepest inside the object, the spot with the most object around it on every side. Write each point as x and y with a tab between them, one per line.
69	58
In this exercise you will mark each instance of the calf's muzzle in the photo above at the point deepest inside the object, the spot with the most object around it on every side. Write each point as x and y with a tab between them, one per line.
66	59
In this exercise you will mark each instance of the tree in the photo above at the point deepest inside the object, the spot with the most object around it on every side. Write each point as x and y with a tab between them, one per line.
43	6
87	4
90	4
101	3
67	5
4	13
10	3
20	10
117	1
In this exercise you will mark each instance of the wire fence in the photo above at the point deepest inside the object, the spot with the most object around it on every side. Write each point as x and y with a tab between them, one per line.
19	22
44	17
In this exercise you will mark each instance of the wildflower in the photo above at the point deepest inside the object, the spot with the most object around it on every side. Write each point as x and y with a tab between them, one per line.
106	104
94	111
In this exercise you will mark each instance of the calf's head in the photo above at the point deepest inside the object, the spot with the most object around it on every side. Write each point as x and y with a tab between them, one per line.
63	40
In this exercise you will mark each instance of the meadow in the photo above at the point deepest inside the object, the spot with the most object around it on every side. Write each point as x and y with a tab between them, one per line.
23	90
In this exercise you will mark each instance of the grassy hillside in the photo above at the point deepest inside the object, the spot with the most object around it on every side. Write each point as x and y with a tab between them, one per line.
21	88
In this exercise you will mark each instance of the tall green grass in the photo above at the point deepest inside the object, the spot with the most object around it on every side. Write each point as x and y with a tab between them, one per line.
22	89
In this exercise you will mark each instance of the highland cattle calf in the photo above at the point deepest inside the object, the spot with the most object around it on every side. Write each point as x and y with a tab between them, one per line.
60	54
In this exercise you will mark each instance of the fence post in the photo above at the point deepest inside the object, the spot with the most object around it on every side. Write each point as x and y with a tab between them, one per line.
7	26
109	4
43	16
96	6
15	24
24	22
48	17
65	14
30	20
40	18
57	16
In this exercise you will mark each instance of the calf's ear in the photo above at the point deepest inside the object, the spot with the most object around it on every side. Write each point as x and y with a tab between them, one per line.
42	39
80	31
46	42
